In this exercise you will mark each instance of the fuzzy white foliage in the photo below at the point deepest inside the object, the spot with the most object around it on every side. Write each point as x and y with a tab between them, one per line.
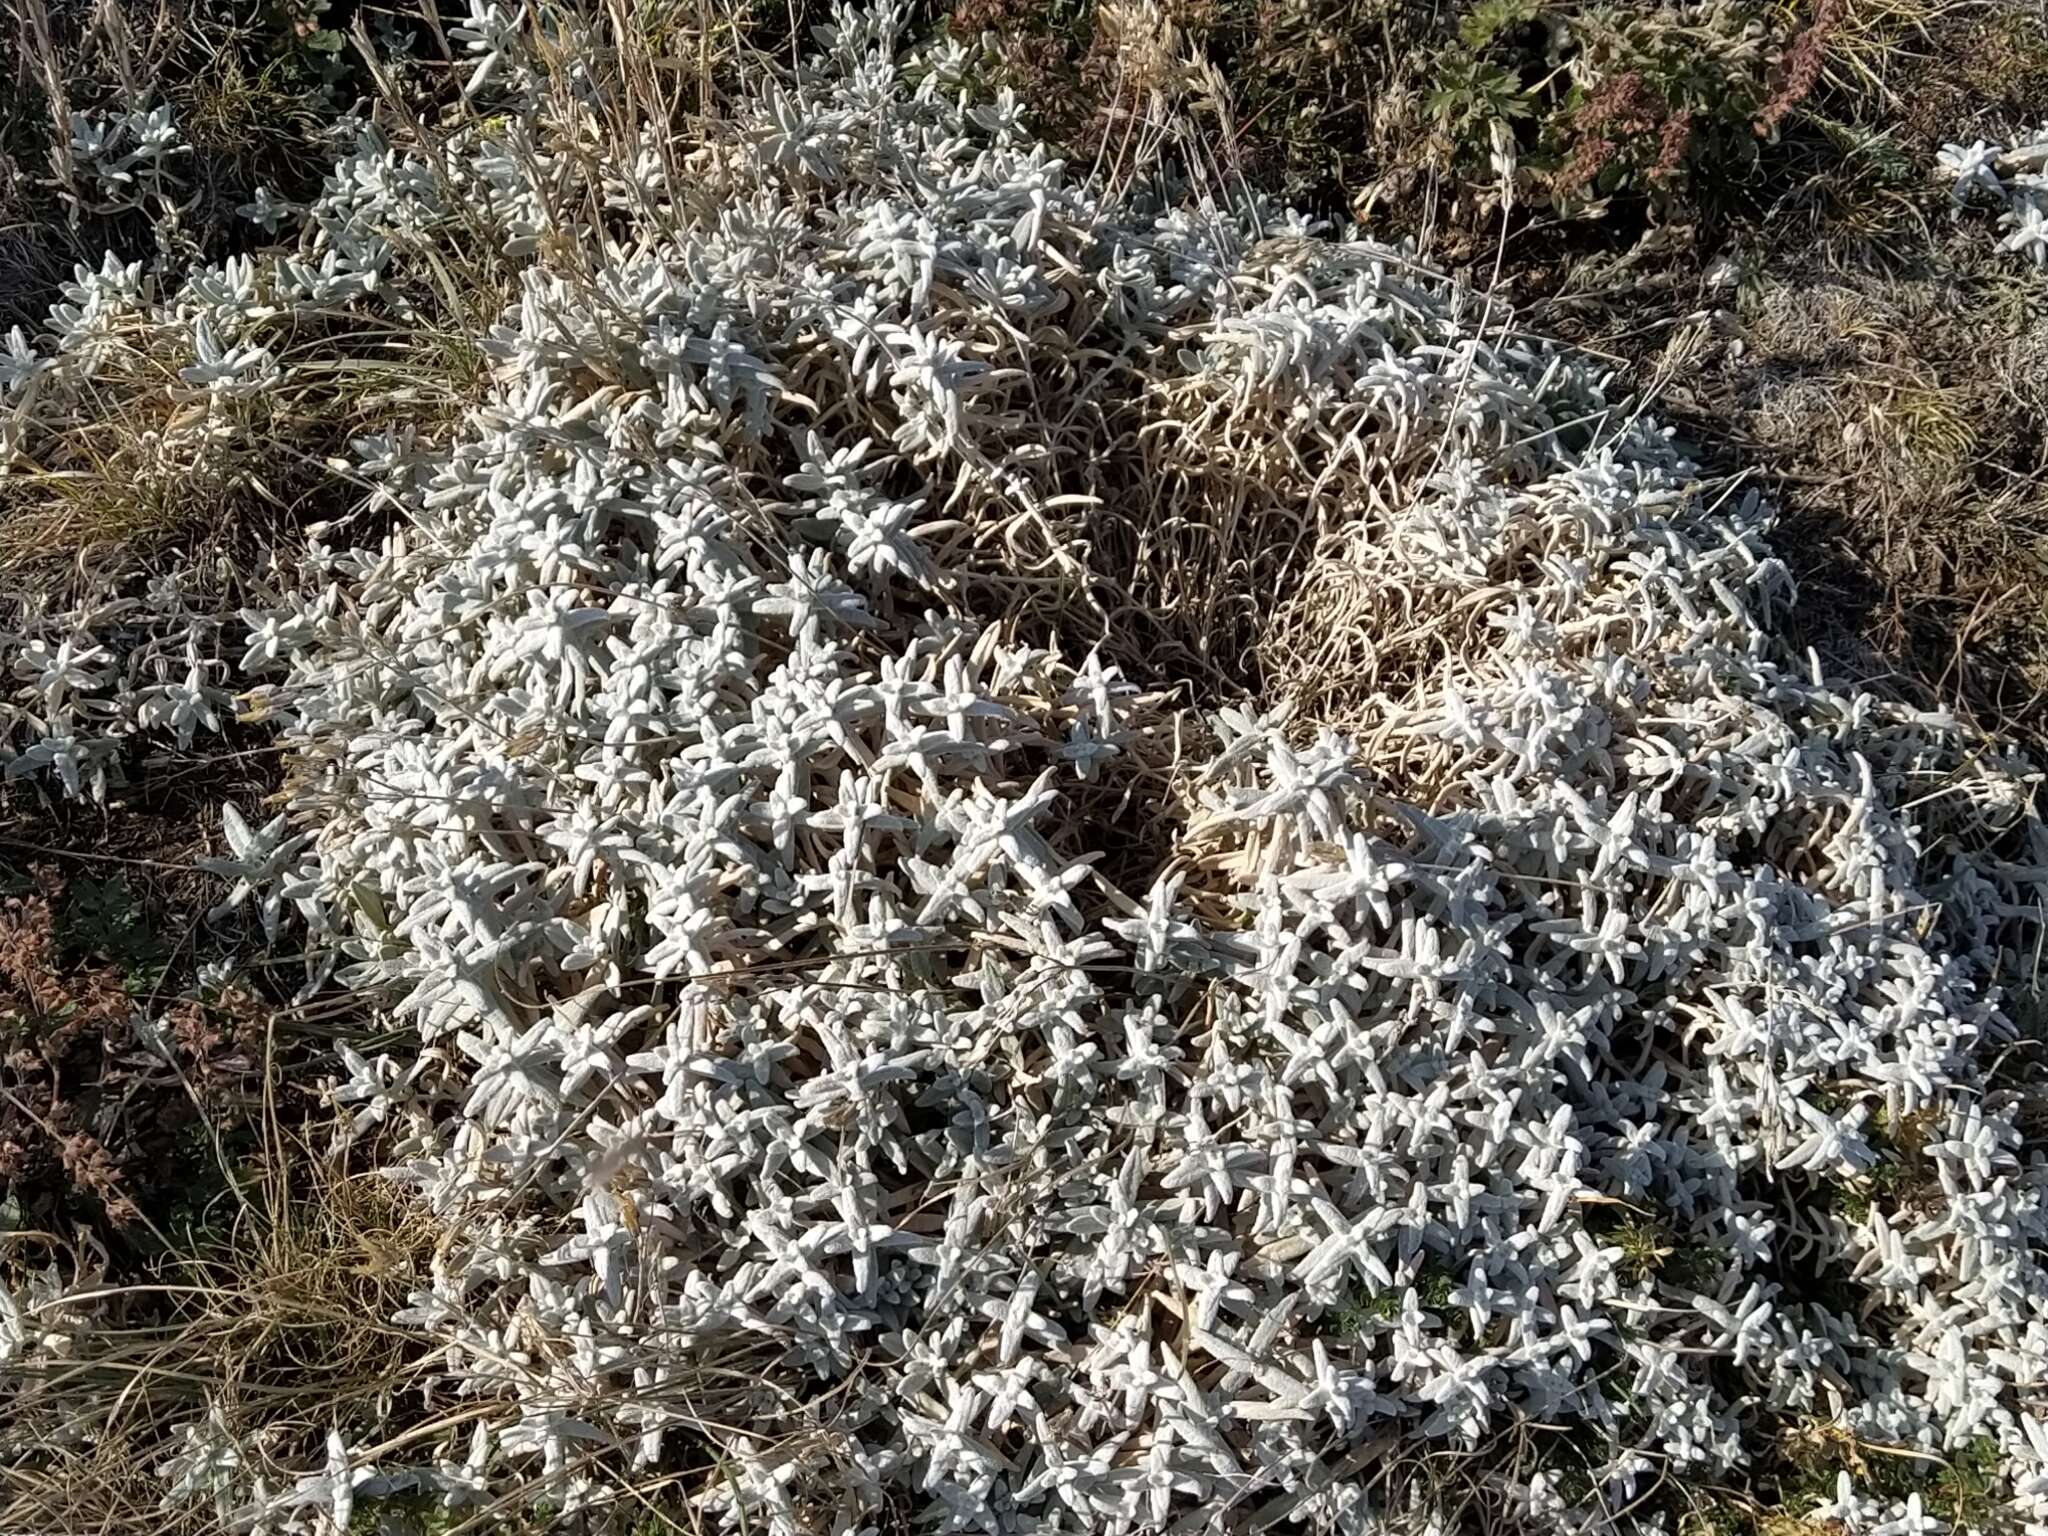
83	683
752	901
2014	179
124	157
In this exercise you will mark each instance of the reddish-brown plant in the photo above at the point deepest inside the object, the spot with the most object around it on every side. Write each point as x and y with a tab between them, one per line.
1802	67
87	1109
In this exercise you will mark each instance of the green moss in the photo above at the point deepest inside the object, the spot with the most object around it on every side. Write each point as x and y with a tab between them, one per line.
1851	1201
1880	1187
1651	1249
1570	1455
1644	1242
1963	1489
1805	1483
102	918
1716	1514
1904	1135
1359	1311
403	1514
1433	1287
422	1514
1901	1169
1966	1489
1694	1267
664	1517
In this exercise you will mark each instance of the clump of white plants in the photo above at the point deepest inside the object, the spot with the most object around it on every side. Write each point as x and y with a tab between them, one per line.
1059	1107
2013	179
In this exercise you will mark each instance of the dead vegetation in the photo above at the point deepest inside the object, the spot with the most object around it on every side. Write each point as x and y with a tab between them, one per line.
111	1103
257	88
1735	203
257	84
278	1315
1910	411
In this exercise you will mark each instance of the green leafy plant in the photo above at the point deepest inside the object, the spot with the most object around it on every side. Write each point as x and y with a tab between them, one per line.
1490	18
1433	1285
1611	101
102	917
1474	94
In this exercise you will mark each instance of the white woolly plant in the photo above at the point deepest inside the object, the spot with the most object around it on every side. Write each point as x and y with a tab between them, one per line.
2014	178
782	983
127	158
